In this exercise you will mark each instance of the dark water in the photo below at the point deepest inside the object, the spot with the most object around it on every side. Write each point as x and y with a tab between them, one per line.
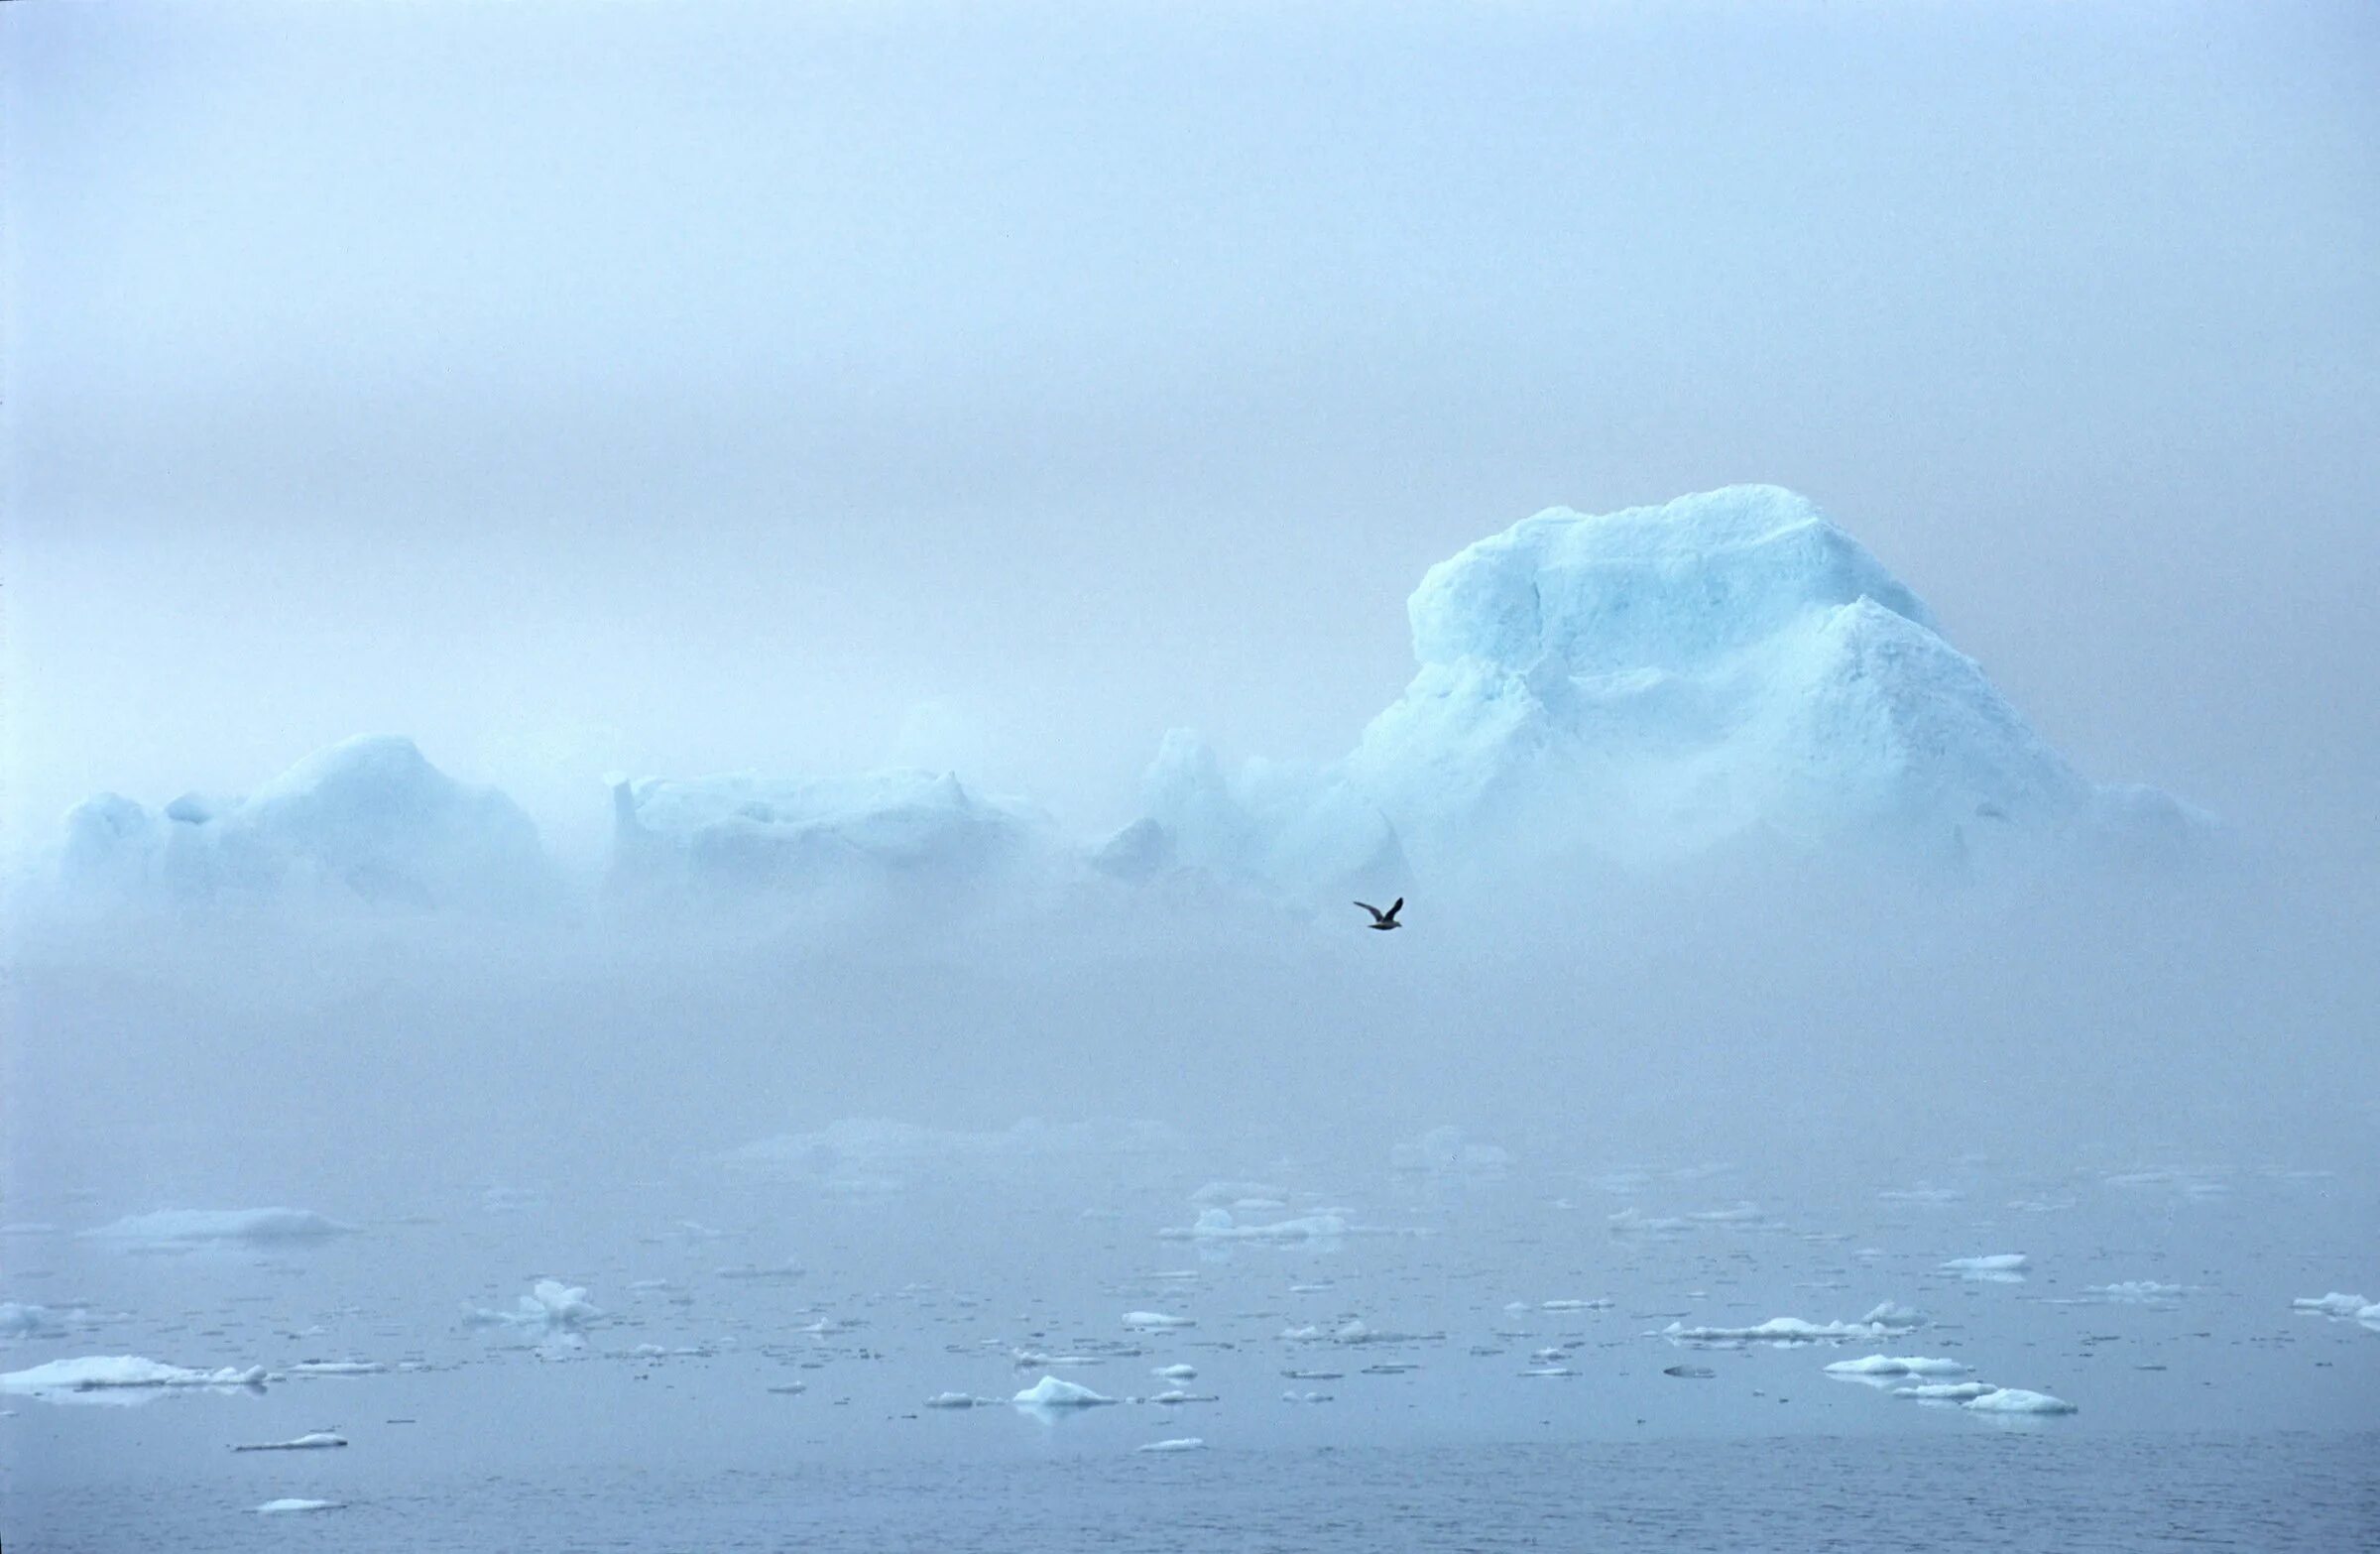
2026	1492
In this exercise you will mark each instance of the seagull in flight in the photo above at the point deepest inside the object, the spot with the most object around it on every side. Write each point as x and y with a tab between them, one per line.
1383	921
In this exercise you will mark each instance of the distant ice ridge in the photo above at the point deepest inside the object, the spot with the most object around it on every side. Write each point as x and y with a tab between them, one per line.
897	836
261	1225
880	1154
367	821
1645	685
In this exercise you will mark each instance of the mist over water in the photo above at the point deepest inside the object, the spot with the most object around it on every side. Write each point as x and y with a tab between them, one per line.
1924	937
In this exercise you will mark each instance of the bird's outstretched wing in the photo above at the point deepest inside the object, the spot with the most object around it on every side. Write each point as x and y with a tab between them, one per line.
1397	906
1376	914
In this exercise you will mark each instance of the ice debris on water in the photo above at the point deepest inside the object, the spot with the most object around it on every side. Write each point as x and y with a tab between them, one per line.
1050	1392
288	1507
313	1441
1187	1443
120	1377
263	1226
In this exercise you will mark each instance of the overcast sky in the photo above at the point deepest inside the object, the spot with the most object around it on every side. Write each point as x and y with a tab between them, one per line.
701	386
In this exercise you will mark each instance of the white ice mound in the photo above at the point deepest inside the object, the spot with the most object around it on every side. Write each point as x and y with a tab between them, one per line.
119	1378
1990	1262
1897	1365
368	820
1050	1392
195	1225
909	833
1218	1225
1651	684
1186	1443
292	1506
549	1307
2016	1400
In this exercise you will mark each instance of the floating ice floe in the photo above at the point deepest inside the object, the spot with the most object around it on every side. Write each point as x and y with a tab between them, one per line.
2134	1292
1572	1305
1175	1396
1234	1194
1889	1365
1152	1321
1176	1373
1944	1391
1218	1225
2335	1304
1305	1397
550	1306
1050	1392
1637	1222
288	1507
954	1401
2016	1400
1998	1267
1187	1443
313	1441
334	1368
1690	1372
19	1319
196	1225
1885	1319
121	1379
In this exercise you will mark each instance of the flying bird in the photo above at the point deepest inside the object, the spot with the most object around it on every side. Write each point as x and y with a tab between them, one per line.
1383	921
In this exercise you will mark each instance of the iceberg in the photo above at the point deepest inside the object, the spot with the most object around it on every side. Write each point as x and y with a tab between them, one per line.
366	822
903	835
1632	688
168	1227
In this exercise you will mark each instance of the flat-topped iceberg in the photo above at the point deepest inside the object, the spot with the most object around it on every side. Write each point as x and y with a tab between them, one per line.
261	1225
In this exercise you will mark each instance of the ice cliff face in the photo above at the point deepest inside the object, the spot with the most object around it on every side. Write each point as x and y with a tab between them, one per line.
369	821
1728	668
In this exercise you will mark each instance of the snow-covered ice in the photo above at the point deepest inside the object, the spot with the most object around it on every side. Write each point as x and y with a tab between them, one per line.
1156	1321
120	1378
549	1306
1186	1443
1889	1365
2017	1400
290	1506
1218	1225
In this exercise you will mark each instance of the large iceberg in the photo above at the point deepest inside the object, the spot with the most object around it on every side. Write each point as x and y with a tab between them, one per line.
1728	668
368	820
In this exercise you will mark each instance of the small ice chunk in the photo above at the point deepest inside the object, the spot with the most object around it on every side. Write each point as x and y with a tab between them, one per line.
1888	1365
2334	1304
1690	1372
1187	1443
1176	1395
1894	1318
1050	1392
317	1441
286	1508
550	1305
312	1368
2016	1400
1572	1305
1991	1262
1776	1330
1218	1225
1152	1320
1176	1373
953	1400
